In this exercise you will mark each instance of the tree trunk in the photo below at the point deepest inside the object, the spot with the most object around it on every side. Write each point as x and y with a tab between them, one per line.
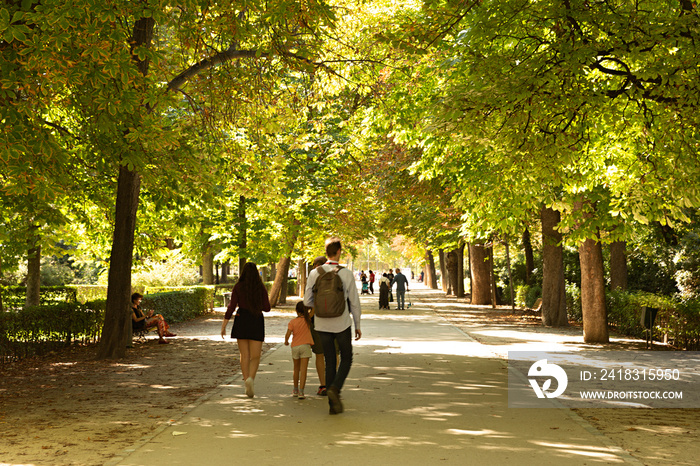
208	265
225	271
451	278
33	296
553	283
460	270
116	331
595	321
479	265
2	307
469	270
242	233
510	276
444	271
430	269
529	257
492	276
116	328
618	265
301	277
278	292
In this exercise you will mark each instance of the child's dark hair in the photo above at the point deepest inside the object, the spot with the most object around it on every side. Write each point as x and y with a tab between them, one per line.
304	312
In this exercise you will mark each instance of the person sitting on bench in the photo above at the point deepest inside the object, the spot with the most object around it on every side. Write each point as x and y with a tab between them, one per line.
140	321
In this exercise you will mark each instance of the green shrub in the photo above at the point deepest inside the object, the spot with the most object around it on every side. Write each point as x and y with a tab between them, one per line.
624	313
14	297
573	302
39	329
180	304
681	323
291	287
85	293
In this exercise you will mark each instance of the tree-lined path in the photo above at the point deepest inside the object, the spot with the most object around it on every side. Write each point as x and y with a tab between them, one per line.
421	391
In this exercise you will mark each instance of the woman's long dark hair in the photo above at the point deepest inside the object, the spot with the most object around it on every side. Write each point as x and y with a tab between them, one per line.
251	285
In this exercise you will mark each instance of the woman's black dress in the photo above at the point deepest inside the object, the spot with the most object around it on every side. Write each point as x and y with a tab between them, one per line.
248	325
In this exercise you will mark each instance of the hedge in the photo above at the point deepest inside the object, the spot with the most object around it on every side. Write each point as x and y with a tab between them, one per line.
178	304
677	320
291	287
38	330
14	297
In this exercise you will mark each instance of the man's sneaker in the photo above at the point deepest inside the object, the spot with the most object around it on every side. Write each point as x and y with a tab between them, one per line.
334	400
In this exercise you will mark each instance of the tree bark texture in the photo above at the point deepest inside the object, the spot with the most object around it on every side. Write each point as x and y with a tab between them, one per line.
225	271
510	277
208	265
444	273
430	266
278	293
33	296
451	278
2	307
116	331
553	282
460	270
468	272
529	257
618	265
301	277
595	320
480	274
492	277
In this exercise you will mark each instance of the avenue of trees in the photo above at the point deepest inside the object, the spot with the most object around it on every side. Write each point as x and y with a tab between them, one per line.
236	131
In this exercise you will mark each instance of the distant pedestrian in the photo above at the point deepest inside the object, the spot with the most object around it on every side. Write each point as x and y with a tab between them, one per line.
390	276
250	297
371	282
299	329
384	284
401	288
335	329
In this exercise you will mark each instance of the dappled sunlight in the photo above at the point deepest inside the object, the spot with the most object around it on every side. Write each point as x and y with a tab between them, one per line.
379	439
528	336
454	347
412	317
589	451
488	433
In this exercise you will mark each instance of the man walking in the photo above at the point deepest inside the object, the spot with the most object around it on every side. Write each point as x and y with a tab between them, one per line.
401	288
335	329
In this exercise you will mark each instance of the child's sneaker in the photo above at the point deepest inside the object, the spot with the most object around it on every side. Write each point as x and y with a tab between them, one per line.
322	391
301	395
295	393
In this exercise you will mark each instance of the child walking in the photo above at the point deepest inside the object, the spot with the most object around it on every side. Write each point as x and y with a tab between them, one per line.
300	328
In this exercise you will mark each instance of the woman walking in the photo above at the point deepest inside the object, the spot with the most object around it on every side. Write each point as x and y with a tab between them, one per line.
250	297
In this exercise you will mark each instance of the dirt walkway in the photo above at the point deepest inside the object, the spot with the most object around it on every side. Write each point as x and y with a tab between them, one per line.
68	409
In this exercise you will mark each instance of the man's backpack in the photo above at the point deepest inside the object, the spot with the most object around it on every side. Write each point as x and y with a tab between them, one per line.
329	293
